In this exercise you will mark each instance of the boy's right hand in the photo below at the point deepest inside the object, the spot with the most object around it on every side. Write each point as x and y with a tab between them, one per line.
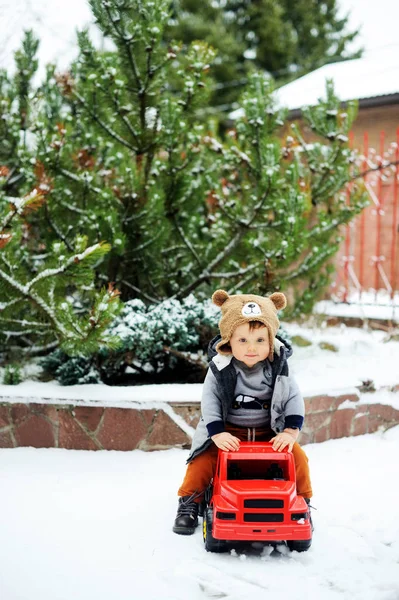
226	441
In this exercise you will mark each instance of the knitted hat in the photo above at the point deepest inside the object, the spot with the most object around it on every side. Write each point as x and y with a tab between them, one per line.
242	308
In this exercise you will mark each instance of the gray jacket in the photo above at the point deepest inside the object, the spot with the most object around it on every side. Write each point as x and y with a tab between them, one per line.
286	399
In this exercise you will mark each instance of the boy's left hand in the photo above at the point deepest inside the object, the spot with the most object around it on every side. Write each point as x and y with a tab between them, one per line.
283	440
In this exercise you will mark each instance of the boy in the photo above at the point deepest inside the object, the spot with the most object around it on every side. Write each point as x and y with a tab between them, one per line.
248	394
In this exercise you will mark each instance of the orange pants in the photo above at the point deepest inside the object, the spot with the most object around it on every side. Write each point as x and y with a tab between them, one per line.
201	469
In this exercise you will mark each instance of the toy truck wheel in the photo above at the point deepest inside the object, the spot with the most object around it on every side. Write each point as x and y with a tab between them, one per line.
299	545
211	545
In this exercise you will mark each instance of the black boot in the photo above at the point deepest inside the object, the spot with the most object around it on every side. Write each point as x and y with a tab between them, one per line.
307	500
187	515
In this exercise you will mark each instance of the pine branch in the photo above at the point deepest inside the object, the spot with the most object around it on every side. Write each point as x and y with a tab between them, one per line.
186	242
18	207
384	165
325	175
25	323
124	118
126	41
104	126
207	272
34	350
22	334
76	179
56	230
186	357
77	258
232	274
140	293
25	292
309	265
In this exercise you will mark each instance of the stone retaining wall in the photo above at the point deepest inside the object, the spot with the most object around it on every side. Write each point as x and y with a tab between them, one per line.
107	428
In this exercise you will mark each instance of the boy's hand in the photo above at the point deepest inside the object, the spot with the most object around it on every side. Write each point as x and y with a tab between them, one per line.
226	441
283	440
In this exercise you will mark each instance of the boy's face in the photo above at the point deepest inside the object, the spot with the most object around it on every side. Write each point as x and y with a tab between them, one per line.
248	346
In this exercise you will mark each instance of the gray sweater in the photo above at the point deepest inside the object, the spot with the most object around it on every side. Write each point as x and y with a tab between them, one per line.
250	406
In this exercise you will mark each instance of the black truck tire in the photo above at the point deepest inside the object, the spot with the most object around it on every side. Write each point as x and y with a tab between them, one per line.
299	545
211	545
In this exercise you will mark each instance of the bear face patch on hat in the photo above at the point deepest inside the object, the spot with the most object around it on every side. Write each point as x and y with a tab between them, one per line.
242	308
251	309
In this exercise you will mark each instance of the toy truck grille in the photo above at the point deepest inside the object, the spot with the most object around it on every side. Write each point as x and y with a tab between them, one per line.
254	496
263	503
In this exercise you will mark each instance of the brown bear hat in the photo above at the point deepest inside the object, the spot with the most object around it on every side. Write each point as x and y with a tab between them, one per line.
242	308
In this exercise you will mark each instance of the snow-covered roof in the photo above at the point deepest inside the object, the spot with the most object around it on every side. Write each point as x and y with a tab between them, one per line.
375	74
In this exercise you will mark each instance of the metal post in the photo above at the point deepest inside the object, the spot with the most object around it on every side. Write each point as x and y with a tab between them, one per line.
379	214
363	216
394	278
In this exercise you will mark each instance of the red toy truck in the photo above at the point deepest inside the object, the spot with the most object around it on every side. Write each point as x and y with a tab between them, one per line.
253	498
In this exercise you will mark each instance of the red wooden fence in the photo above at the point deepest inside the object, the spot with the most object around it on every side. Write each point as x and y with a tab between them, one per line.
368	260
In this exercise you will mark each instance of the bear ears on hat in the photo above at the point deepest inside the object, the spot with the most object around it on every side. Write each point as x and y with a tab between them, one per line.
219	297
279	300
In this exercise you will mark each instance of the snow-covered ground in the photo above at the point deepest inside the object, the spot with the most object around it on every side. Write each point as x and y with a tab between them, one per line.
81	525
362	304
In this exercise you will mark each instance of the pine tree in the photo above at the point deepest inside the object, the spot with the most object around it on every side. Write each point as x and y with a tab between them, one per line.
45	289
129	177
286	38
15	119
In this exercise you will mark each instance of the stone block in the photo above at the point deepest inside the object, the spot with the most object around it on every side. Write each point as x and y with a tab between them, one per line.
384	412
89	416
71	434
191	414
166	434
121	429
148	417
360	424
374	423
322	434
316	420
319	403
35	431
329	403
4	416
341	423
47	410
6	440
19	412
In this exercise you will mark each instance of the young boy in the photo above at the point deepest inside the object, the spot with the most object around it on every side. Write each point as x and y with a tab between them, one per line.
248	394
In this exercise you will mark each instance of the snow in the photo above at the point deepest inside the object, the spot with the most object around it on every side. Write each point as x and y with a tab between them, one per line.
376	73
378	24
367	304
98	525
53	21
359	310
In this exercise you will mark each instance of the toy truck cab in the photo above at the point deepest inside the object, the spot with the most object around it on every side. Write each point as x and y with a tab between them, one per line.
253	498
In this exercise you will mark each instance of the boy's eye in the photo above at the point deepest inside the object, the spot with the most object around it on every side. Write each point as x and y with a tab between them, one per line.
242	340
261	340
